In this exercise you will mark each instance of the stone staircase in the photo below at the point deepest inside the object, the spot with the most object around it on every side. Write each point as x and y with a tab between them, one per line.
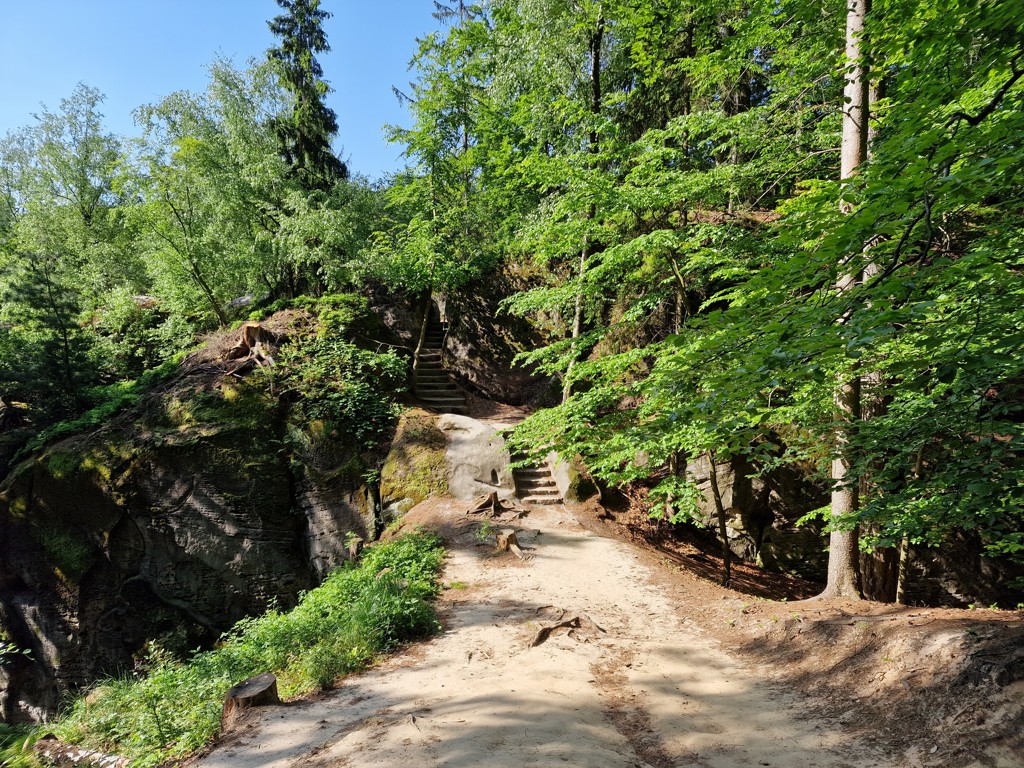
435	389
535	485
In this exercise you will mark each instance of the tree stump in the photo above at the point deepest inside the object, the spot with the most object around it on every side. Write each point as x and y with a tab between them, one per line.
354	546
507	542
255	692
489	503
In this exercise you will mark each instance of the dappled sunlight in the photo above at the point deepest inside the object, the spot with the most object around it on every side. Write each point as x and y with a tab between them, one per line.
570	657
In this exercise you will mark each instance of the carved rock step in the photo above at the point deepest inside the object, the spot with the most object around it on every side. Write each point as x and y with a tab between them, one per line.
541	500
539	489
533	472
459	409
535	485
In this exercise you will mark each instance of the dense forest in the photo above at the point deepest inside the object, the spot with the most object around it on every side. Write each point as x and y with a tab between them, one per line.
778	242
788	232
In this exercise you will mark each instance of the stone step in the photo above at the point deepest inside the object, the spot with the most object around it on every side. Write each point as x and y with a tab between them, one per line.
461	409
432	400
532	471
541	486
540	491
531	476
541	500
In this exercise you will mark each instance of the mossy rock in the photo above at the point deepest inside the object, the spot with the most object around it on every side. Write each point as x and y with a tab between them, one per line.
416	466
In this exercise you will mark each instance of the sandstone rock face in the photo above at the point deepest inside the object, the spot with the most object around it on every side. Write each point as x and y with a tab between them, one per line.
477	459
170	524
762	514
415	467
482	344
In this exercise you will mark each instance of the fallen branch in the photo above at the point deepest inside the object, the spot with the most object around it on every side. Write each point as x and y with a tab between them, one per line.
578	621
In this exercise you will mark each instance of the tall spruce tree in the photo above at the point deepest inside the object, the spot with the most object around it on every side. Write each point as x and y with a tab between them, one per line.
305	136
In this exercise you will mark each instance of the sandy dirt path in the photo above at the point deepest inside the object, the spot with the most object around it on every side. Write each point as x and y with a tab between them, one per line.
642	688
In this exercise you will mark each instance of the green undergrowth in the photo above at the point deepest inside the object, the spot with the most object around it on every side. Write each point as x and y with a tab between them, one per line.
107	401
16	746
358	613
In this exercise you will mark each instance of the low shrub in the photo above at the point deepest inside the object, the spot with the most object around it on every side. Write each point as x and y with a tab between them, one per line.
172	708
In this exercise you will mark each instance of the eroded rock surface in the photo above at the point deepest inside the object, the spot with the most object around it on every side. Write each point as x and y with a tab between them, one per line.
197	507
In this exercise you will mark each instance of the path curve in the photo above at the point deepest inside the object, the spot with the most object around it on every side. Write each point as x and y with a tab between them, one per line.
641	688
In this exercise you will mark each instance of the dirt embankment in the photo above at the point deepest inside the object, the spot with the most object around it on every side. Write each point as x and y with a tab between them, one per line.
943	687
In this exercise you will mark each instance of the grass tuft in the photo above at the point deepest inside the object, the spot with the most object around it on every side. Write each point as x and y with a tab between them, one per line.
358	613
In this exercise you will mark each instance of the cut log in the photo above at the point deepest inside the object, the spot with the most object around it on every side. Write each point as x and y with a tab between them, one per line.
255	692
53	751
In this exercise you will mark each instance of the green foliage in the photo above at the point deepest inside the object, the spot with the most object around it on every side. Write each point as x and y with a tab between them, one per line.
9	649
436	233
16	746
359	612
342	387
692	223
110	400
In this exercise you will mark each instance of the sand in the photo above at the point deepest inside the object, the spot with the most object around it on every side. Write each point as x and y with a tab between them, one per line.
632	686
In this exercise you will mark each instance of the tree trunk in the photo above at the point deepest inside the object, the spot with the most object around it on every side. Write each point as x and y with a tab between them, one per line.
723	532
842	556
596	38
901	577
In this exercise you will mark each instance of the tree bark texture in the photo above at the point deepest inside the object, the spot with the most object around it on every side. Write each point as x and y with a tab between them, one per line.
842	558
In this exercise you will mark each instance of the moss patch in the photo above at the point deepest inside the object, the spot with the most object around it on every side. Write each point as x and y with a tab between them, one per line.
71	557
416	466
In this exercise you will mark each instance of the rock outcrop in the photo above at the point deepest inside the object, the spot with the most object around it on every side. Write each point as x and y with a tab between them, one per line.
202	504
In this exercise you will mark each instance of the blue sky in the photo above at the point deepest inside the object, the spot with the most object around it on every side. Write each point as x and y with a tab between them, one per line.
137	51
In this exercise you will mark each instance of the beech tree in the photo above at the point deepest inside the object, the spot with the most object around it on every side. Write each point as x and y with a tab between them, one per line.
842	574
765	334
